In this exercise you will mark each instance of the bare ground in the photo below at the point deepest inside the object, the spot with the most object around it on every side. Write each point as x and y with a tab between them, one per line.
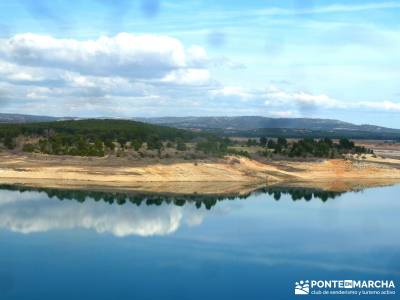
227	175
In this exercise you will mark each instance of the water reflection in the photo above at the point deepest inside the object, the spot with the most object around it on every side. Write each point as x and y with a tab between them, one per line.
275	243
29	210
208	200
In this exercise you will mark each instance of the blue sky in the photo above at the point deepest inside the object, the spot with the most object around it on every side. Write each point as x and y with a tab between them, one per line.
328	59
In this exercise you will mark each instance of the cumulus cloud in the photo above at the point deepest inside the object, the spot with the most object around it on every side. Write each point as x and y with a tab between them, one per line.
276	101
303	100
124	71
383	105
140	75
234	92
138	56
279	102
188	77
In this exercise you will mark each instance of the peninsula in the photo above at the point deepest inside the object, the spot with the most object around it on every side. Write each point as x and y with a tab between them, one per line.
128	155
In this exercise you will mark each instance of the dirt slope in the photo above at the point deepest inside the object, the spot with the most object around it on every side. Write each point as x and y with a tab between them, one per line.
55	171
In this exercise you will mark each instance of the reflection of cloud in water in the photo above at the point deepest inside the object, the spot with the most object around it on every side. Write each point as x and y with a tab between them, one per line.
30	212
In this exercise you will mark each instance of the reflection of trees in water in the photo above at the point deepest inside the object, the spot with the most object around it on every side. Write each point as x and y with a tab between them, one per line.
136	198
300	193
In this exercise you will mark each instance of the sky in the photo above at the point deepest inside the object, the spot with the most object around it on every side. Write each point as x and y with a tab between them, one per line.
300	58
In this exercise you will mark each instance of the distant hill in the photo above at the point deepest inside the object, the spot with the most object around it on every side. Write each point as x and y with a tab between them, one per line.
256	122
249	126
18	118
289	127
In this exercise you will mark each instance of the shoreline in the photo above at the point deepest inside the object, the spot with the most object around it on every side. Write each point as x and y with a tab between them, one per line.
222	176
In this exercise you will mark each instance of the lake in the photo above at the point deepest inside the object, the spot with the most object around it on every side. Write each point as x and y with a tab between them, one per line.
77	245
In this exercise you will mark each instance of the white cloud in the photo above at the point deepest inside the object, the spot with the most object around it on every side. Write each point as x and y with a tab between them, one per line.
134	56
222	61
197	56
19	73
382	105
39	93
234	92
307	99
275	95
138	75
188	77
118	72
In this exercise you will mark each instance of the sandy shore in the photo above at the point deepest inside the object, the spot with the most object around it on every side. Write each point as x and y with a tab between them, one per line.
228	175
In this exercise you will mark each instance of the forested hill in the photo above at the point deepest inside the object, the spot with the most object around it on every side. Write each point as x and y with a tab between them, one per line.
100	137
19	118
245	123
248	126
96	128
92	137
256	126
237	123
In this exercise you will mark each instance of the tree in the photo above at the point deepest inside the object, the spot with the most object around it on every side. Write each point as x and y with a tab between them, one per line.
28	148
180	145
278	148
109	144
282	142
211	146
328	141
9	143
321	149
55	145
271	144
82	146
251	142
136	144
346	144
122	141
154	143
263	141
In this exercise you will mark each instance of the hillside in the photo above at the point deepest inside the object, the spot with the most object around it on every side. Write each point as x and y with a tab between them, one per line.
274	127
225	175
249	126
18	118
93	137
248	122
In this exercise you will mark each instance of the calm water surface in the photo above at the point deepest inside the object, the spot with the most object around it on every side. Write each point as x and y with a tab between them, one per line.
99	246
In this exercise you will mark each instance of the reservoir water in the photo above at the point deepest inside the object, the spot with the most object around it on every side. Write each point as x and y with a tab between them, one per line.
77	245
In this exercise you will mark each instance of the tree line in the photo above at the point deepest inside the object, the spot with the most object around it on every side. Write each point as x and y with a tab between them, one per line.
309	147
208	201
100	137
94	137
